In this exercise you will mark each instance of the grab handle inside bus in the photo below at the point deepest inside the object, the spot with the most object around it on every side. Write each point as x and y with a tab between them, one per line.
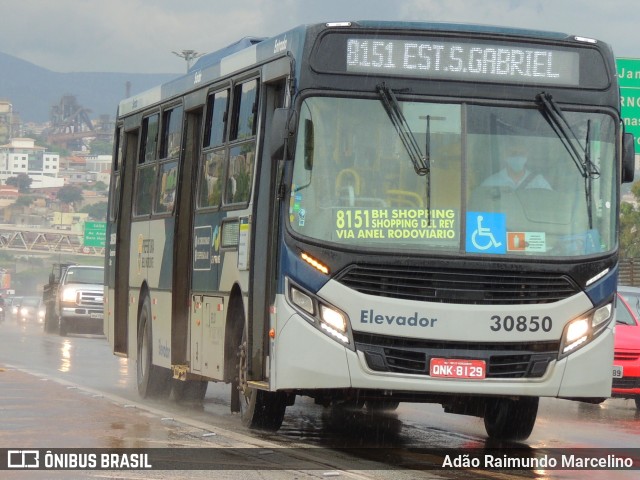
283	127
628	157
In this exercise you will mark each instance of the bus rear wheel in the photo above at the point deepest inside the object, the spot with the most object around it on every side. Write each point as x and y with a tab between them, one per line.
153	381
259	409
510	419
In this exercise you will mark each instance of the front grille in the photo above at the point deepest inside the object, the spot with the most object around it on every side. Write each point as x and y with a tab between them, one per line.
504	360
478	287
626	356
626	382
90	298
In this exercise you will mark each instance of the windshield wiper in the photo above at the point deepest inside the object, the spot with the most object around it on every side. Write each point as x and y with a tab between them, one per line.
580	155
421	162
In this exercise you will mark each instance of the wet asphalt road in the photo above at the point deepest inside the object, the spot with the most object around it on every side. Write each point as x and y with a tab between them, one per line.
84	365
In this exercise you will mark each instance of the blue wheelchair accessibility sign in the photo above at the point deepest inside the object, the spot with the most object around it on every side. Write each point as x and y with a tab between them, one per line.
486	232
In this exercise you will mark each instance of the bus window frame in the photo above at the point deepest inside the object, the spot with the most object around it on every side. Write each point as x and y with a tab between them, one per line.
232	135
142	163
207	148
234	92
166	159
208	119
116	178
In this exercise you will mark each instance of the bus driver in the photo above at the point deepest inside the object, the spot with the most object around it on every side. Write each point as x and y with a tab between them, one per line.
515	174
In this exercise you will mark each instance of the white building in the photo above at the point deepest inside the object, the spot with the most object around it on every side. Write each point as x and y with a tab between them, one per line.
21	155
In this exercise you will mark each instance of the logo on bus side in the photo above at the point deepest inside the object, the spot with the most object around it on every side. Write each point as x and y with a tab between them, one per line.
415	320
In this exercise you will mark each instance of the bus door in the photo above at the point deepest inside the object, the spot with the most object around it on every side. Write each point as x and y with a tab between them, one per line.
264	229
120	233
183	239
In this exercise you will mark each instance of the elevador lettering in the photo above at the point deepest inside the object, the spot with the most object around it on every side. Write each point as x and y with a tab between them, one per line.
414	320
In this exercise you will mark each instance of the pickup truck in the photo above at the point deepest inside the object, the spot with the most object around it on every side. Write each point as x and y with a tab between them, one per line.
74	299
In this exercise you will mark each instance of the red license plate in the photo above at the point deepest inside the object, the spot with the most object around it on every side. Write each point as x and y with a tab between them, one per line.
457	368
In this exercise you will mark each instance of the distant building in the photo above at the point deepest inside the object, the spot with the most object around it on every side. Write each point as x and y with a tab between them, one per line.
21	155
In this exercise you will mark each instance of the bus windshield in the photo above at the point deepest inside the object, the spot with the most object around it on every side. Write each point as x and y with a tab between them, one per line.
501	180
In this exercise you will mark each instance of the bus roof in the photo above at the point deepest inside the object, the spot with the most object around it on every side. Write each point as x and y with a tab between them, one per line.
251	50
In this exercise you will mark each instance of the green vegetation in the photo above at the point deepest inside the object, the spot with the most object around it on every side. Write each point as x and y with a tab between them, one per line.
22	181
629	225
96	211
70	194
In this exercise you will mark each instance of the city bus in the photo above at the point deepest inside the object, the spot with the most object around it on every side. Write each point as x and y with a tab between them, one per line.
368	213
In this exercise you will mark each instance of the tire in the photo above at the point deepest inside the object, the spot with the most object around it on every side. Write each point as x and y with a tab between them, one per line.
509	419
63	328
259	409
50	320
153	381
189	391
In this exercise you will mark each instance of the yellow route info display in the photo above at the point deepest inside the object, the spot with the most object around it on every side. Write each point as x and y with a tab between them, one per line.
438	226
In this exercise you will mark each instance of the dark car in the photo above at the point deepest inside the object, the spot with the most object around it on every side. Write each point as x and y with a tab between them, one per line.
626	362
30	310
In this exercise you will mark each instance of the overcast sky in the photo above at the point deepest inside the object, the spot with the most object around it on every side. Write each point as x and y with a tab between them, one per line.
138	36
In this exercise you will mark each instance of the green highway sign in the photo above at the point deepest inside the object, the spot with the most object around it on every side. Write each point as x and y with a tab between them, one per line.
629	80
95	234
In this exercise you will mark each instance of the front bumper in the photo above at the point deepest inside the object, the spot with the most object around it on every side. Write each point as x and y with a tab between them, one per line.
305	358
629	385
82	319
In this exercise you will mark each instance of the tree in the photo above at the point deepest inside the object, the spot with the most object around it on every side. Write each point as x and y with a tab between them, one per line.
101	147
69	194
22	181
629	225
25	200
101	186
96	211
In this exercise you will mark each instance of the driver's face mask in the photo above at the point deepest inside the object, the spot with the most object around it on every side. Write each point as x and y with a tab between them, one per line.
516	163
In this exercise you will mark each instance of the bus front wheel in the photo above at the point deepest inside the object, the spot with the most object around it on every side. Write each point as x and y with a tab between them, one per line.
259	409
510	419
152	380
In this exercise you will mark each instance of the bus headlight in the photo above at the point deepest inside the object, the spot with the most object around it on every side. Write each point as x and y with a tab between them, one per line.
333	318
584	329
320	314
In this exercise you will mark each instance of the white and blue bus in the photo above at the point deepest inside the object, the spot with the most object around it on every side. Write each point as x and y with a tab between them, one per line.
369	213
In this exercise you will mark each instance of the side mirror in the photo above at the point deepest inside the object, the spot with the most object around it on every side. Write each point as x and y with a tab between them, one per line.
628	158
283	126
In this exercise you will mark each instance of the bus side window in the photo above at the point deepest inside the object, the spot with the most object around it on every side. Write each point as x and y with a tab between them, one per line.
240	174
144	189
216	122
169	153
146	173
114	190
167	182
171	132
149	139
211	179
245	108
242	155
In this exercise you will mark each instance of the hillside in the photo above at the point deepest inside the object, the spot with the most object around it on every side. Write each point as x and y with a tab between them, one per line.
33	90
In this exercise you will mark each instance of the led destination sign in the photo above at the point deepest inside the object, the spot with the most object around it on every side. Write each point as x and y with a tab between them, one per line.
463	61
